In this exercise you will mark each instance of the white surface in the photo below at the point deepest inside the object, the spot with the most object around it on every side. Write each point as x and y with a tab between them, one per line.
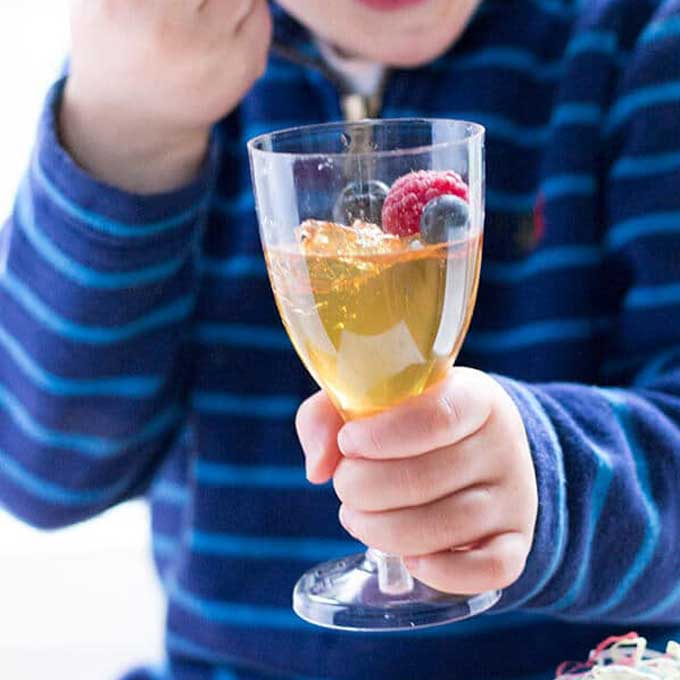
33	39
79	604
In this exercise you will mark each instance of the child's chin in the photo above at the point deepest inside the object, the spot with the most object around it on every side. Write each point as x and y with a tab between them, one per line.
412	56
398	53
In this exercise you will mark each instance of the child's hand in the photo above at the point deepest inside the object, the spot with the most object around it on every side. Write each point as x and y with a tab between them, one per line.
446	479
149	78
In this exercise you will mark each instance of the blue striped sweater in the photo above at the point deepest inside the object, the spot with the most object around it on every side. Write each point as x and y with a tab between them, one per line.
140	352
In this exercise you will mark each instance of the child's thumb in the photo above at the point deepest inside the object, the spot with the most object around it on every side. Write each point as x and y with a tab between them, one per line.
318	423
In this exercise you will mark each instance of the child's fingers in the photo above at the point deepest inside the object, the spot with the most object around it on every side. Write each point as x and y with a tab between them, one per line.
461	519
317	424
379	485
494	565
443	415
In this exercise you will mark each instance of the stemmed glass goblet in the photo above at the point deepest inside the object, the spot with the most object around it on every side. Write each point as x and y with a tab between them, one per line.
376	305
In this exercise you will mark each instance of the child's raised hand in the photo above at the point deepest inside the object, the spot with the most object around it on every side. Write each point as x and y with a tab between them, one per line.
445	479
149	78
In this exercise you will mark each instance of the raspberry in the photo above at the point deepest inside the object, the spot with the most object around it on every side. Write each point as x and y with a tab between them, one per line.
410	194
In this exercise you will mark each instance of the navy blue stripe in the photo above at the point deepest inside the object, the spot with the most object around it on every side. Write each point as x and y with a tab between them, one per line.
131	387
255	128
242	335
497	126
86	445
235	613
107	226
237	266
535	333
548	260
49	492
77	272
250	406
632	167
510	131
642	98
507	201
242	203
271	547
173	313
654	224
513	59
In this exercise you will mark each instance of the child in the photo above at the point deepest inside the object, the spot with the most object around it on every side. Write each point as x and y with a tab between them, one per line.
140	347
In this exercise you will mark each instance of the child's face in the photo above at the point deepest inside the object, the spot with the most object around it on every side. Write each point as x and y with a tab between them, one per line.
394	32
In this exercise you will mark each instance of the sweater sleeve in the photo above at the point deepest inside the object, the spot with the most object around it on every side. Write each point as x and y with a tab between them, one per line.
97	290
608	457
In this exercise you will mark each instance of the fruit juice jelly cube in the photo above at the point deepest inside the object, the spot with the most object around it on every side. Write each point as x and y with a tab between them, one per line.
361	239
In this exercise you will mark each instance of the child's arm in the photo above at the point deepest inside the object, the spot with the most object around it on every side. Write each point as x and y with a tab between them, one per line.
450	469
620	446
610	456
97	285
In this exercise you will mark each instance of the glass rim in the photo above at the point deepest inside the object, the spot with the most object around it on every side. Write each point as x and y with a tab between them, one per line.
478	133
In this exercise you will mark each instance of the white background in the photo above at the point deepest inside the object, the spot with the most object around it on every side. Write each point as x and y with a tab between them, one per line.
79	604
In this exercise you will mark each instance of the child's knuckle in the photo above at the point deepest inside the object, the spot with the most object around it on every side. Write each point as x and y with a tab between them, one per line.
391	537
366	531
376	439
378	531
346	482
339	485
409	484
445	414
477	502
443	530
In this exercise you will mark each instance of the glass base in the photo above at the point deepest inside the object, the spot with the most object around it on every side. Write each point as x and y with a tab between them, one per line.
345	594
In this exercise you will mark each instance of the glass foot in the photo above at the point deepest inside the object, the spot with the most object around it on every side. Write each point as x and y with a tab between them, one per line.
345	594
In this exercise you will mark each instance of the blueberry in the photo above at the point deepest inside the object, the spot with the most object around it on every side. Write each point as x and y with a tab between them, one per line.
445	218
360	201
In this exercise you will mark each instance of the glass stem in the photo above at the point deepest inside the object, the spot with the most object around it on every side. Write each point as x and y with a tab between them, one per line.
393	578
